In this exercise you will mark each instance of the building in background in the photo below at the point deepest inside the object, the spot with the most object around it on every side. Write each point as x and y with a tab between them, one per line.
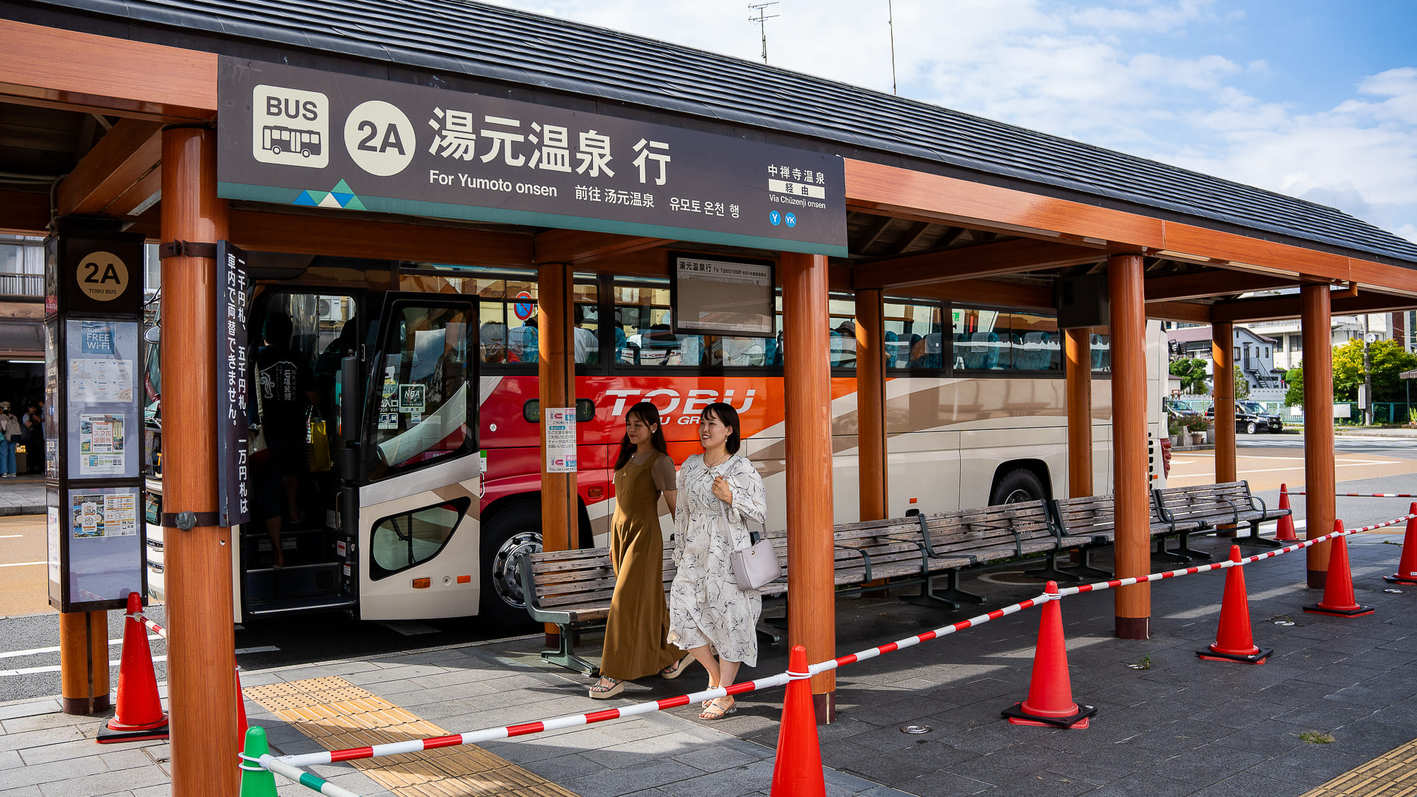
1254	357
21	319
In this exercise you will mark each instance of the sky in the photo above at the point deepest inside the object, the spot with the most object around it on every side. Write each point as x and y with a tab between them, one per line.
1308	98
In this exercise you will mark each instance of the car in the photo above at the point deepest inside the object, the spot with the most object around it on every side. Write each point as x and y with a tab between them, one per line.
1178	411
1252	417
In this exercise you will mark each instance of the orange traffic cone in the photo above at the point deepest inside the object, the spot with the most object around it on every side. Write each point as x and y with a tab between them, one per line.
1407	565
1050	693
1284	529
1338	584
139	713
1233	641
798	769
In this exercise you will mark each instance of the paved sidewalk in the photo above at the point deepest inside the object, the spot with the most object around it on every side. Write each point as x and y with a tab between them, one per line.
22	496
1168	723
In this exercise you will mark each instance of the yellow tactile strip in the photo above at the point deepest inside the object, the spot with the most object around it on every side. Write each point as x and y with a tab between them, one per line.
1392	774
340	715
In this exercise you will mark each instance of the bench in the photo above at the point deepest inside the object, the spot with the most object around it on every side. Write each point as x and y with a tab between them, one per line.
1091	521
974	537
1213	506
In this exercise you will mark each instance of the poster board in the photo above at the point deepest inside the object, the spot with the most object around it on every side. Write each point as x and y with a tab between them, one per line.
560	423
714	296
103	429
233	374
101	528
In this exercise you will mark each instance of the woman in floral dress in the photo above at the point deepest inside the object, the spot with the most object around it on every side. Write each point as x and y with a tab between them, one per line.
721	499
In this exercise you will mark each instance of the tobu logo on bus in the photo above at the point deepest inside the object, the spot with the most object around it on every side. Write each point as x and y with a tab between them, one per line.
670	402
290	127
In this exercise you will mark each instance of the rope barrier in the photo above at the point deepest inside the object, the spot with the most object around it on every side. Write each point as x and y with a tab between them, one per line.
782	678
1363	495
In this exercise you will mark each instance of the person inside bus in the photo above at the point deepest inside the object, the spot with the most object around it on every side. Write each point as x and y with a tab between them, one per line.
720	498
287	393
638	623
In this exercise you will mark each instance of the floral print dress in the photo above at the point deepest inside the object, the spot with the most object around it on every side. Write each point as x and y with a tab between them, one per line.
706	607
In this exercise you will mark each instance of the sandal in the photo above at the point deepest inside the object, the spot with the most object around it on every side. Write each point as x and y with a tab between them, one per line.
709	702
606	688
717	710
677	668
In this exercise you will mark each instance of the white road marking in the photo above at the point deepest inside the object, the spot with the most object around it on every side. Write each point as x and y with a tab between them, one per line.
118	662
23	564
11	654
10	536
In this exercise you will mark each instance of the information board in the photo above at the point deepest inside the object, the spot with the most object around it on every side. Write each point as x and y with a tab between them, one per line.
321	139
102	423
233	390
101	529
560	425
713	296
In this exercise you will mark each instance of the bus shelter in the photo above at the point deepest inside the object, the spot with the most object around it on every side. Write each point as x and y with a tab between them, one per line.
398	132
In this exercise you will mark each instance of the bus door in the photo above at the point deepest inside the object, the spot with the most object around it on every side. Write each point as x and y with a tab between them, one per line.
417	547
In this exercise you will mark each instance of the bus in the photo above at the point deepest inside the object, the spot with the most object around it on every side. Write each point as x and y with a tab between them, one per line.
278	139
429	374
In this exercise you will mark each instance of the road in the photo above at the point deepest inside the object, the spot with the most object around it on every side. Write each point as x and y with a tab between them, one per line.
29	658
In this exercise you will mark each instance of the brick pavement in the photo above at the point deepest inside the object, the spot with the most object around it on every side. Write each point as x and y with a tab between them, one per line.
1179	726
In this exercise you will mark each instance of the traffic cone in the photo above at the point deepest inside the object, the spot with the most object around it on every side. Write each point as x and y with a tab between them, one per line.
798	769
1338	584
1233	641
256	780
1284	529
139	715
1407	565
1050	693
240	708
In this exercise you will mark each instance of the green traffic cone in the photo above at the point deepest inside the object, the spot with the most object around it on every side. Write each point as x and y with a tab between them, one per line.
256	780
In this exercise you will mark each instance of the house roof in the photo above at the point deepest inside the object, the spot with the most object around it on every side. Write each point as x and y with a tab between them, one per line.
489	42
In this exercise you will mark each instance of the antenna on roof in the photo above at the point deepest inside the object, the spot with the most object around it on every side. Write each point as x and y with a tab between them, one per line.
890	23
761	19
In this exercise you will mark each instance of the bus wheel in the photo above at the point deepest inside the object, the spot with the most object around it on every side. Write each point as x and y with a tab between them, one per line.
1016	486
507	539
275	149
305	153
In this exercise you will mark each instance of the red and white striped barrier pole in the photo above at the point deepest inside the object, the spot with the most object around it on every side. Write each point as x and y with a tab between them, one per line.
1363	495
780	679
306	779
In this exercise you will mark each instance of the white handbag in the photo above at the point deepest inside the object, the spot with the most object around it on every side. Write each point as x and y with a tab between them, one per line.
755	566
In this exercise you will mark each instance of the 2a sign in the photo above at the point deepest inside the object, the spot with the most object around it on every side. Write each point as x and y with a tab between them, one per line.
102	276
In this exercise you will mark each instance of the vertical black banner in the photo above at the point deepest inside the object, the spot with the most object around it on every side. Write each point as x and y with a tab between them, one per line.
233	388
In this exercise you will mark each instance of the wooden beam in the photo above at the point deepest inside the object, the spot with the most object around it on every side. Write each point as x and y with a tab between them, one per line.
1274	308
24	212
876	233
578	246
124	156
914	236
1019	296
140	196
68	69
1004	257
1179	311
361	236
1211	282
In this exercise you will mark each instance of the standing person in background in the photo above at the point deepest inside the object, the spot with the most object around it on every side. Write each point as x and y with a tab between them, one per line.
638	623
10	431
720	498
33	423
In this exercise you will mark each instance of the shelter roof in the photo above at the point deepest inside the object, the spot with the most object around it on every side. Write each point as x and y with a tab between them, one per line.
489	42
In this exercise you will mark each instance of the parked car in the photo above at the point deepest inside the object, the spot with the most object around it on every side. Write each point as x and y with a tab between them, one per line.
1178	411
1252	417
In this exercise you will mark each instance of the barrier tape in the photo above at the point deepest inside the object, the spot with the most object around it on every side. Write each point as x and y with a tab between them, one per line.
309	781
1363	495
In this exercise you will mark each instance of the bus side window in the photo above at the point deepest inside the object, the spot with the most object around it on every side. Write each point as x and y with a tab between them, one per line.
407	539
423	403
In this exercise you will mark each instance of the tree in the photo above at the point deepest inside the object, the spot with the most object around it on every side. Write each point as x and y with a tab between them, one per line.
1294	395
1192	373
1388	360
1242	386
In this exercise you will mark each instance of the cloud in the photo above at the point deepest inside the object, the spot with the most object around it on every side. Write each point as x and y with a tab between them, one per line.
1084	71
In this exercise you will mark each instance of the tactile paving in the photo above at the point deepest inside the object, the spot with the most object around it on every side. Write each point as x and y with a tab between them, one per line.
1392	774
337	715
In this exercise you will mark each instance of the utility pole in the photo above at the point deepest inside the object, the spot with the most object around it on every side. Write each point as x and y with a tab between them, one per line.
890	23
1367	376
761	19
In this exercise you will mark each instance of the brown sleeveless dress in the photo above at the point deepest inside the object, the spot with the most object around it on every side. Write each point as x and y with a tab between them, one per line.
639	620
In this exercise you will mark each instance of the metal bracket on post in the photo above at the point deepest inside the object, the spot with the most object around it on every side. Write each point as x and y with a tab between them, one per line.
186	249
187	521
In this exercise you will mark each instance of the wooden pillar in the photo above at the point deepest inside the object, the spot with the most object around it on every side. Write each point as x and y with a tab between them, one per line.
83	662
1077	369
871	405
1319	481
1222	356
1129	445
556	377
811	618
199	611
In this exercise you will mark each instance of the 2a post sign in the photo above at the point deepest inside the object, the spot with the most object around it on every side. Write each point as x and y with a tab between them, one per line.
321	139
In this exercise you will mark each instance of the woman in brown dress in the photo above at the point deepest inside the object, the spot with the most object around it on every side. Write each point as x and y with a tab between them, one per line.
638	623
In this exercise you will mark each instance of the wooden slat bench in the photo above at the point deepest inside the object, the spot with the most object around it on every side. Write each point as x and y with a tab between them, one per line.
1212	506
972	537
1091	522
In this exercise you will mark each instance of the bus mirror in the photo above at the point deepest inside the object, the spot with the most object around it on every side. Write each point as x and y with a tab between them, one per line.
585	411
350	394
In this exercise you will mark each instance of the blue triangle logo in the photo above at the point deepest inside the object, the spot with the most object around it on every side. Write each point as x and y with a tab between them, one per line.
306	199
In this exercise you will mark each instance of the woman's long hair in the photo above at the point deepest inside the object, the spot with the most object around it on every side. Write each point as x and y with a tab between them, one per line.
648	414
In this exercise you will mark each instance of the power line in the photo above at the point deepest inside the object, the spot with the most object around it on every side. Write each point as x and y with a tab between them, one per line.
761	19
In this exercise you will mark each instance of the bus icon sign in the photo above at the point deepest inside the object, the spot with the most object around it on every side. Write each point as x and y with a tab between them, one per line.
290	127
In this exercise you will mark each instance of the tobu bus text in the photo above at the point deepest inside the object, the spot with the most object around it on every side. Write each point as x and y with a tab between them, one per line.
693	403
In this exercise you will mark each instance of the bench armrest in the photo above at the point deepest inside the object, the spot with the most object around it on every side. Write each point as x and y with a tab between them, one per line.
865	557
537	613
1234	510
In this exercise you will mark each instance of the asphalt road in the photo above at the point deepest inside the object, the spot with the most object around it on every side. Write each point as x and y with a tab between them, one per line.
29	658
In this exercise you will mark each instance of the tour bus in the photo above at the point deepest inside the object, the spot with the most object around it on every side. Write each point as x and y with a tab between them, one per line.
433	509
